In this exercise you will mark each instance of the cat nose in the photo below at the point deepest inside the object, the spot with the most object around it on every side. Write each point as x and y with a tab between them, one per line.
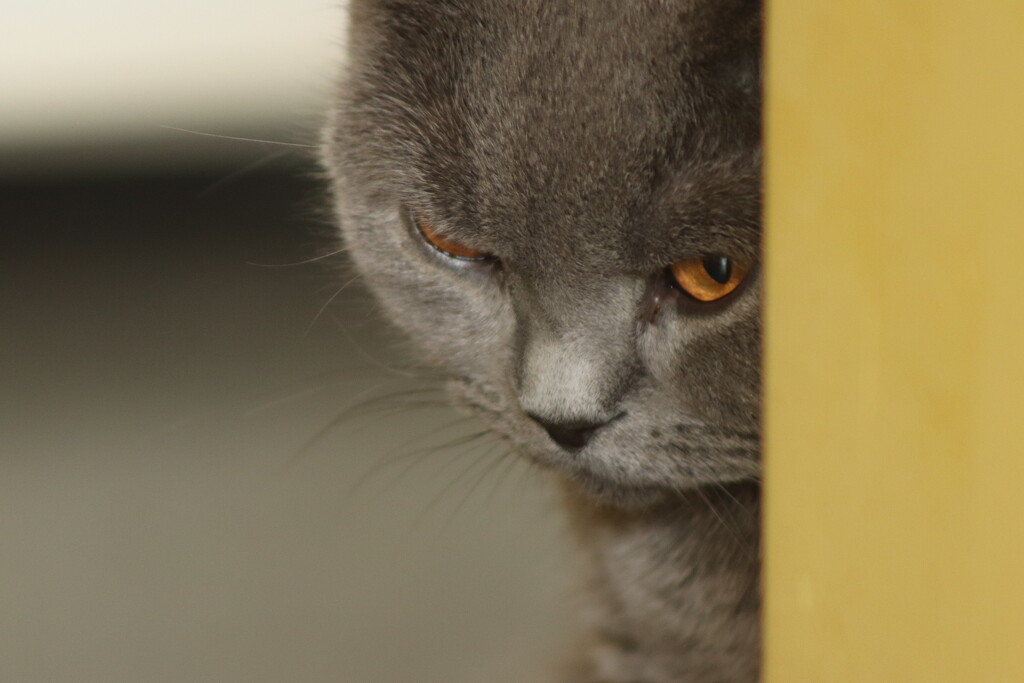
571	436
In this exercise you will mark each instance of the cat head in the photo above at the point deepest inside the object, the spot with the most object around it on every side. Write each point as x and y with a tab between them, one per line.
560	202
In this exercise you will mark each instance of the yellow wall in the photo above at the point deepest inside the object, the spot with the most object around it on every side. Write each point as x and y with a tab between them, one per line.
895	342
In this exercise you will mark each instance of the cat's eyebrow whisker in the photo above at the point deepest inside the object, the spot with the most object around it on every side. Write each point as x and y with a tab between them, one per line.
297	145
248	168
321	257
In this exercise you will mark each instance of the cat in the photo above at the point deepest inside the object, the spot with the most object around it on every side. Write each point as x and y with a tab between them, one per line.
560	202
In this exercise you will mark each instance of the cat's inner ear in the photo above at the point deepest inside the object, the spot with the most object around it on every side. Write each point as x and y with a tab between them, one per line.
446	245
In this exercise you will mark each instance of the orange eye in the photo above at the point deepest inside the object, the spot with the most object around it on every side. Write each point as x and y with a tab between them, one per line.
448	246
709	278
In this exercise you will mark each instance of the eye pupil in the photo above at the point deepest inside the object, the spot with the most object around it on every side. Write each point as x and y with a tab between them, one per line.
709	278
718	267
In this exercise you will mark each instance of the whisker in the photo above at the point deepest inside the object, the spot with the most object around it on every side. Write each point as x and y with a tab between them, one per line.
391	459
467	449
503	474
376	362
321	257
285	393
723	489
291	398
483	476
330	301
466	443
385	411
239	139
380	404
248	168
330	426
453	482
721	520
326	379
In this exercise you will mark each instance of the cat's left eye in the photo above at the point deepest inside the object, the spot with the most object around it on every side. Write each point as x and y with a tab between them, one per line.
446	245
709	278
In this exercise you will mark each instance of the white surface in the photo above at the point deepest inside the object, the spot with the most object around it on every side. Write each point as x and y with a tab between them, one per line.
106	71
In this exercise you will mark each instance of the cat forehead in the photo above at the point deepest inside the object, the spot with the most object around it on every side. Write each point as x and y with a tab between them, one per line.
530	120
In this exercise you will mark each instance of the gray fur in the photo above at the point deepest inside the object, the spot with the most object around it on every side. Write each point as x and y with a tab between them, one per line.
587	145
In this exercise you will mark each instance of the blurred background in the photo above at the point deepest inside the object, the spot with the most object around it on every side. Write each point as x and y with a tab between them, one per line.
215	462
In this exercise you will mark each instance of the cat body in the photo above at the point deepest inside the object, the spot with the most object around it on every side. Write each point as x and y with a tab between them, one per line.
518	182
673	588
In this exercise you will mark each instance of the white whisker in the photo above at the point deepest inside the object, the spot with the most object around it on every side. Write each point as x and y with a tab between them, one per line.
240	139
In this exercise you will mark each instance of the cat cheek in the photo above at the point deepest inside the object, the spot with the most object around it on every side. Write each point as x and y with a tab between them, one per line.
721	379
660	346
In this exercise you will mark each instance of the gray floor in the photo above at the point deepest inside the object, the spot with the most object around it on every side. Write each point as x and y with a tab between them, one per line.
171	505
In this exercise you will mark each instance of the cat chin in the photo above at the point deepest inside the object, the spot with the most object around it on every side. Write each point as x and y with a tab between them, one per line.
583	474
617	494
632	498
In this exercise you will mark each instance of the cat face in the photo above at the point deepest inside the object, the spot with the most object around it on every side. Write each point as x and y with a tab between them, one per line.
527	187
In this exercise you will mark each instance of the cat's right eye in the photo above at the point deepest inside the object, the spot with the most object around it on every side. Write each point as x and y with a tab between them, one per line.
446	245
709	278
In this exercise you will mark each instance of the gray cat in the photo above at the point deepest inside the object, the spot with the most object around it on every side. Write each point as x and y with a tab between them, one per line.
560	201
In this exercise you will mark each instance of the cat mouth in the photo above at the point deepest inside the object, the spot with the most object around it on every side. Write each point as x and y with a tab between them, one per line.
619	465
618	462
